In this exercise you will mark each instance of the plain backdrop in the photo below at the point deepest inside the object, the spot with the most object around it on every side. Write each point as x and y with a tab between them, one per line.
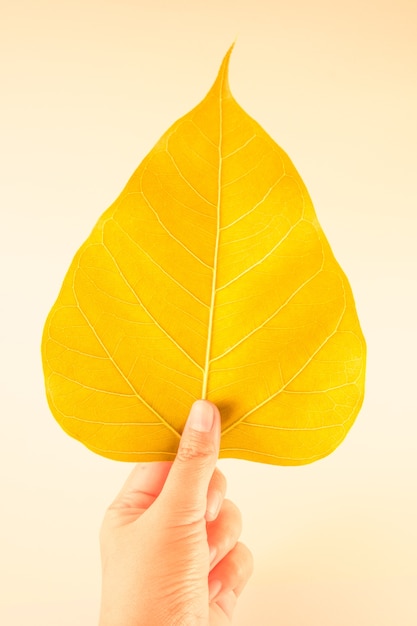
87	88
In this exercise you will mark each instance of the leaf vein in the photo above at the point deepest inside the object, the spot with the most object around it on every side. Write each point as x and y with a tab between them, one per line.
181	175
267	255
268	319
171	234
152	317
121	373
301	369
95	389
255	206
169	276
241	147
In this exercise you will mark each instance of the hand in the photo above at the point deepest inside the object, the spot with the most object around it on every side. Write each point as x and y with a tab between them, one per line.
169	542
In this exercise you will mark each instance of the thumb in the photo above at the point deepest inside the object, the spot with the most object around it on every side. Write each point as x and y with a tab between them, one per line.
185	490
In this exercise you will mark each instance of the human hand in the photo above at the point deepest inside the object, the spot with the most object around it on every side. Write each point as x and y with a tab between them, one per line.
169	542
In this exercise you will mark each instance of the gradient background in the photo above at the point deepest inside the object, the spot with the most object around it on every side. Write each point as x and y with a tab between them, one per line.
87	88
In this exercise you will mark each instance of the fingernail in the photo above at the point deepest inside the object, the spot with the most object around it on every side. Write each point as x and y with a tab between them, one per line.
214	588
214	501
201	417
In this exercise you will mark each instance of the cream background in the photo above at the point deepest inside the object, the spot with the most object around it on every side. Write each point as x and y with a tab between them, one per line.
87	88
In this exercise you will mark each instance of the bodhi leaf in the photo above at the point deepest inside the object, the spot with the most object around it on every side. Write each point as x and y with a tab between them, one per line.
209	277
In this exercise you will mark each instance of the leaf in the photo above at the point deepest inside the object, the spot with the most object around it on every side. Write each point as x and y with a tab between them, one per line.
209	277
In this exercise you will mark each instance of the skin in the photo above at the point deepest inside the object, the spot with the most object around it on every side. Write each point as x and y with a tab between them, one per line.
169	541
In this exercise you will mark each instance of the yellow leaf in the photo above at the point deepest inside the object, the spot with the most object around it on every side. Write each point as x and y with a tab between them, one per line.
209	277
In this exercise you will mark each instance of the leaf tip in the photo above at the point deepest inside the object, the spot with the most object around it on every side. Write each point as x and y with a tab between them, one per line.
223	75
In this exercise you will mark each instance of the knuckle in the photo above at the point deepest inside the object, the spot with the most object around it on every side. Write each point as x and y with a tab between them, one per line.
196	447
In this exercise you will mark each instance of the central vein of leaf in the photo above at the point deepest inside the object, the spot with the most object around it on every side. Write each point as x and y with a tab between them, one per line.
215	260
